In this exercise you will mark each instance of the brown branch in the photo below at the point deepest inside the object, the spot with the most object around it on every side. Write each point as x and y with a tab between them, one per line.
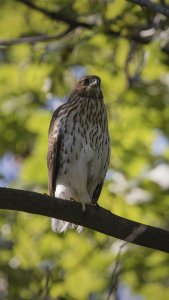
96	218
34	39
73	24
56	15
44	37
116	269
158	8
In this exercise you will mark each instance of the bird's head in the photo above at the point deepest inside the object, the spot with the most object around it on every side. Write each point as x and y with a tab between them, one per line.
89	85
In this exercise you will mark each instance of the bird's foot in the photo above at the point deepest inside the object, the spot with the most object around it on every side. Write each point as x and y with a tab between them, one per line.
71	199
83	207
83	204
90	203
95	204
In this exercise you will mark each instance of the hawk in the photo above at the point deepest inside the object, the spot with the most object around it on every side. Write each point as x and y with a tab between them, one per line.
78	147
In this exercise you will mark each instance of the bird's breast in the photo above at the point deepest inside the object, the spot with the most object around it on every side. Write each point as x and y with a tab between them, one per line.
83	129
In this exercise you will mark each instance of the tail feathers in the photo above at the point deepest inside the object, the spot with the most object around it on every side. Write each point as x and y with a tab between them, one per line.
62	226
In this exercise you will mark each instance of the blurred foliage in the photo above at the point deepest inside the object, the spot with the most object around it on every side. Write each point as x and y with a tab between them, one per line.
127	47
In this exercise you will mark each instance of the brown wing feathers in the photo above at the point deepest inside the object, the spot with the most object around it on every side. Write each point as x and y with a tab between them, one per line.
54	145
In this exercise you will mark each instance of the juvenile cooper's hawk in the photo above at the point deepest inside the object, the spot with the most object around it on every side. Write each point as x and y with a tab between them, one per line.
78	150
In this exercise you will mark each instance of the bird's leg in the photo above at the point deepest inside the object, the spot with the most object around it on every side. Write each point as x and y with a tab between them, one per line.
95	204
83	204
83	207
71	199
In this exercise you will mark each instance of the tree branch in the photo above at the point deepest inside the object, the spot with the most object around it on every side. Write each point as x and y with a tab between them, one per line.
73	23
45	37
158	8
34	39
96	218
56	15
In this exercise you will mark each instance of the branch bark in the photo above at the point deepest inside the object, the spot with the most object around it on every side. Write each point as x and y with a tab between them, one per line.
158	8
56	15
96	218
34	39
74	23
45	37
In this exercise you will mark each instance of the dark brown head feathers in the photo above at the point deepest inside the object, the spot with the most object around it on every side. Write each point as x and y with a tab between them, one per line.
89	85
88	82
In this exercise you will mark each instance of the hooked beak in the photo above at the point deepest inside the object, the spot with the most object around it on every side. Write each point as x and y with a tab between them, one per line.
95	83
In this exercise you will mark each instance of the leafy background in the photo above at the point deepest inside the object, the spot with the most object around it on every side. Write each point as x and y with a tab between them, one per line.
128	48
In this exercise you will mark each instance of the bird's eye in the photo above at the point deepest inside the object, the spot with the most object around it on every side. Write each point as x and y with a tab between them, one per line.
86	82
